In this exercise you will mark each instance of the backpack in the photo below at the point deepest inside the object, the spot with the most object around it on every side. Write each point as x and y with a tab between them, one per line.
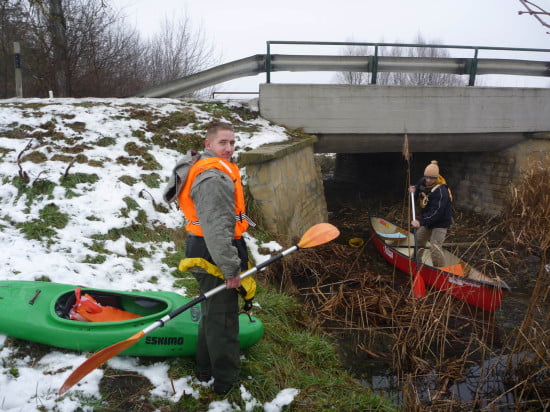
179	175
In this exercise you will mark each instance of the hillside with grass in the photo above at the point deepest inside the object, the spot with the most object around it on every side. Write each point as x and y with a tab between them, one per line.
81	184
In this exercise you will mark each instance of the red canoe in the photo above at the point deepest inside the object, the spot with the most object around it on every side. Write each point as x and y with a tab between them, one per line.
459	279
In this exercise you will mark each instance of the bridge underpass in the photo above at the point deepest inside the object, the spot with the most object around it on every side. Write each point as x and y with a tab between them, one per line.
482	137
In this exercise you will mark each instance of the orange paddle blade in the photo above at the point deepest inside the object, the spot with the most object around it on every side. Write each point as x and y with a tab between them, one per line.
419	287
98	359
318	234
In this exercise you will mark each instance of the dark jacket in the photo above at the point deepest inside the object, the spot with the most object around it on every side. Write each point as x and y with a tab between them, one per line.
437	211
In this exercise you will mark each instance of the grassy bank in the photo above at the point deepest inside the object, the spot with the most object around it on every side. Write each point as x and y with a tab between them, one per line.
289	356
80	192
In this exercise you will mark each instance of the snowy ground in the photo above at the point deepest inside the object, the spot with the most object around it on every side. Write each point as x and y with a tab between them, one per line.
93	208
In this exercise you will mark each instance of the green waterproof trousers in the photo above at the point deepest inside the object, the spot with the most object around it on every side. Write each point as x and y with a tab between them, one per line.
218	349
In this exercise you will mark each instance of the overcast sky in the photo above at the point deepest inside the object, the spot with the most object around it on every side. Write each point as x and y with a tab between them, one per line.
241	28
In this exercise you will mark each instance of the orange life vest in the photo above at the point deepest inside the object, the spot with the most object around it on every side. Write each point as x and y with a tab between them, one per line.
87	309
242	221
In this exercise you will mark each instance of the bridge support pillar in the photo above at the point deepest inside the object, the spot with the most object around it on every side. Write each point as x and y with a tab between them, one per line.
286	186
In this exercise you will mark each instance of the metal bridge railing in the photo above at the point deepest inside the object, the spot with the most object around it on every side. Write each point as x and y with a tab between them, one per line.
471	66
268	63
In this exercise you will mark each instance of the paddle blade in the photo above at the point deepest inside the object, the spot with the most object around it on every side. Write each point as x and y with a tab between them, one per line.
98	359
419	287
318	234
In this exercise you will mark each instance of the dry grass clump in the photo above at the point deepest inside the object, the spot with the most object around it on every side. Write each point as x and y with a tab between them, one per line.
337	288
346	297
432	343
526	217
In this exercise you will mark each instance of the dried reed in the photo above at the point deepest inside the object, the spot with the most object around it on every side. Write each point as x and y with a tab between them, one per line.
347	298
527	220
526	217
434	341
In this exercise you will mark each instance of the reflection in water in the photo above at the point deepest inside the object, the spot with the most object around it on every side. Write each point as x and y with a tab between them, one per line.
483	384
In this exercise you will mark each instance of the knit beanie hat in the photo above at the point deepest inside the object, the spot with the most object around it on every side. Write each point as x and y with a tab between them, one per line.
432	170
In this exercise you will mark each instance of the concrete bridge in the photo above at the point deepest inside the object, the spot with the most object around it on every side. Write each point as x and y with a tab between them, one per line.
373	118
484	137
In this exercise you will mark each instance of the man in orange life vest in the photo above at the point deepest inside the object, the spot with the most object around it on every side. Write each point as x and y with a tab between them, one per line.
212	201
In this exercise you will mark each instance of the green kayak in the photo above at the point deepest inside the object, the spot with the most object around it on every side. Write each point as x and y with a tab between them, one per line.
40	312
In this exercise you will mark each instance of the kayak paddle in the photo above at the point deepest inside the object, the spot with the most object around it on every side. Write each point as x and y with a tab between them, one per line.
314	236
419	288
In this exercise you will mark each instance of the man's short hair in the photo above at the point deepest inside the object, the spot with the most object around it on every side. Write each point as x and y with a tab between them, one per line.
215	127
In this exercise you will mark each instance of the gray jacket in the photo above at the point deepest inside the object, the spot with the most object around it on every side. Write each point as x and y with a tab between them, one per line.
213	194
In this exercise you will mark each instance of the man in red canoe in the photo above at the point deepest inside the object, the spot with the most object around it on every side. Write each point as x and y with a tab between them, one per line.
435	200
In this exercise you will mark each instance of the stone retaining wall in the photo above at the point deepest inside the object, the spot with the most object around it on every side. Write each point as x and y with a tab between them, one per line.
287	186
483	181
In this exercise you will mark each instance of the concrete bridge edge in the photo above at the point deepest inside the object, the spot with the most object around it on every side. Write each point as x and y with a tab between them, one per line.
286	186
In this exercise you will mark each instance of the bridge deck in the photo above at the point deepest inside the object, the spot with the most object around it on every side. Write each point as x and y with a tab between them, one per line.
372	118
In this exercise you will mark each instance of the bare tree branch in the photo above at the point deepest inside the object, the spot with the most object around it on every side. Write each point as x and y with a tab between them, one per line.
69	166
105	56
22	174
178	50
142	195
536	14
38	177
